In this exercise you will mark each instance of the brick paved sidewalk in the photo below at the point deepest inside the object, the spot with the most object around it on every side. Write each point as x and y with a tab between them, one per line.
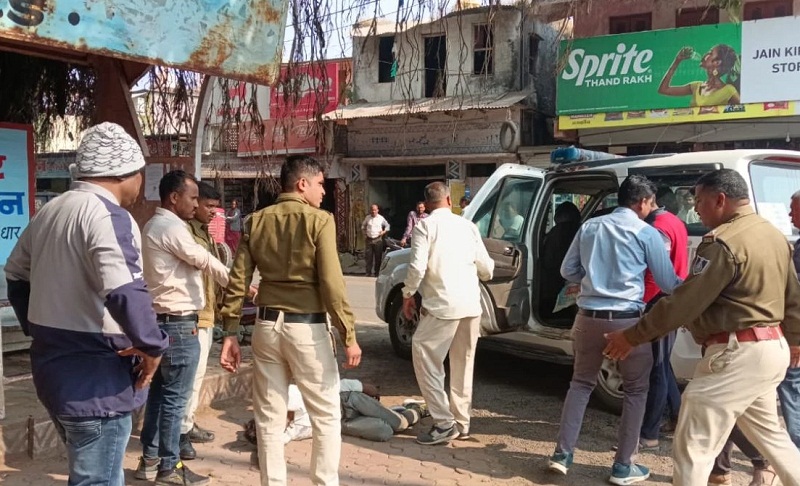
400	461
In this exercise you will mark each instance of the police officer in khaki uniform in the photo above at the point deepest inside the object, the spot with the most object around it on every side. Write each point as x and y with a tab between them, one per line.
742	302
293	245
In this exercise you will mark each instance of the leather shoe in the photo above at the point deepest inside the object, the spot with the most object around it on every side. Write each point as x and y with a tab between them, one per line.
200	436
187	451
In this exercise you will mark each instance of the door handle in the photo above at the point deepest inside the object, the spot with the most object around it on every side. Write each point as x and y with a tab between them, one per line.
508	251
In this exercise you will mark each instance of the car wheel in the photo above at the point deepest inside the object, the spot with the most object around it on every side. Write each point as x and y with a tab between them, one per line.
401	330
609	386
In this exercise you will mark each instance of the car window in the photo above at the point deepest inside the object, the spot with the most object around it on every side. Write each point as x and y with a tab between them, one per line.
773	187
483	216
676	192
504	213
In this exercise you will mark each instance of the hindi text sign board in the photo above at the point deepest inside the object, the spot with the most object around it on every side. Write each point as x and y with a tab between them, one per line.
238	39
17	188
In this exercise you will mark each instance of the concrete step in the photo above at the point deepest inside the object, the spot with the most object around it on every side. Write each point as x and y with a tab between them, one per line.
28	430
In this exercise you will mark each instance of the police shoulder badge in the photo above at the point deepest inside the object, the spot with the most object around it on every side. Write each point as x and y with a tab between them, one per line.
709	237
699	265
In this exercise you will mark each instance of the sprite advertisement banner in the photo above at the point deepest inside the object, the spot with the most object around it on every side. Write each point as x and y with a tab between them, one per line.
662	69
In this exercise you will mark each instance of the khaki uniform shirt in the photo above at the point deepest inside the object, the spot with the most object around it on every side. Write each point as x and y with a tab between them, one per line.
207	316
741	277
293	245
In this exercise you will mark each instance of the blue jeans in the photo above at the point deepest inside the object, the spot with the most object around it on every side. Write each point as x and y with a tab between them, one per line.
95	448
366	418
663	393
789	393
169	393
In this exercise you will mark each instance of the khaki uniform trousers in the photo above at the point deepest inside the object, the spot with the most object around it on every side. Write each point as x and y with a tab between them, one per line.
282	351
433	339
734	383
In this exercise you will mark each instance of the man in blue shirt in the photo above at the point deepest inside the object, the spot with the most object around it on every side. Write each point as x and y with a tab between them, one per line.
608	257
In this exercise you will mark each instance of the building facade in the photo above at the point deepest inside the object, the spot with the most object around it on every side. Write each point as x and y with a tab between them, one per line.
751	50
448	99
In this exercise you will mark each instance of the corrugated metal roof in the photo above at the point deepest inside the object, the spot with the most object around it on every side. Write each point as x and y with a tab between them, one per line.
428	105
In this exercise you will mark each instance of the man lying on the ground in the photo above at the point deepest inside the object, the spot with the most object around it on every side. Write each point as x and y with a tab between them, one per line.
363	415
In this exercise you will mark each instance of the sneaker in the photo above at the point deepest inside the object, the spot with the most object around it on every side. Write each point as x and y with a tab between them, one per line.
199	435
147	468
419	405
720	480
187	452
180	475
763	477
411	415
437	435
623	475
560	462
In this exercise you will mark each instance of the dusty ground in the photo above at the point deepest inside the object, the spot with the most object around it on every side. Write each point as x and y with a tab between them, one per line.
517	405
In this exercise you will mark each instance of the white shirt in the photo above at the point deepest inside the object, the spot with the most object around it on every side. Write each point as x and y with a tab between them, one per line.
174	264
447	259
373	226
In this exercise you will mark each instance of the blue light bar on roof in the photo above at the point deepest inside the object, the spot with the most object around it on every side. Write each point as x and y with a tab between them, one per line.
566	155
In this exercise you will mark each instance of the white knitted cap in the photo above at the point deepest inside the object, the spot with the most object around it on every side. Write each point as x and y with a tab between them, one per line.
106	150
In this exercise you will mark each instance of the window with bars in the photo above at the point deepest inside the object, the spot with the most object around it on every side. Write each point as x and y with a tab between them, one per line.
483	50
630	23
533	52
688	17
386	59
768	9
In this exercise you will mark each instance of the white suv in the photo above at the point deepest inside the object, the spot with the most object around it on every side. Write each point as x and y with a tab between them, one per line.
518	316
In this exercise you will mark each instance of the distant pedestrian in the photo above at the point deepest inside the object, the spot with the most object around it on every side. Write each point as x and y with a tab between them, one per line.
375	227
608	257
233	226
413	218
293	245
447	260
174	265
207	204
740	300
663	394
75	283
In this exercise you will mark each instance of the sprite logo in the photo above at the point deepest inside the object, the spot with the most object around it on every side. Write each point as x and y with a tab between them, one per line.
626	65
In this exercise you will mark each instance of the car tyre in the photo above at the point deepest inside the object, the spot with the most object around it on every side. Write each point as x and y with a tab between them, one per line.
609	387
401	330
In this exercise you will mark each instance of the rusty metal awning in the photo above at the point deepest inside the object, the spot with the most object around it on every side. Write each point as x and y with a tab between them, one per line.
428	105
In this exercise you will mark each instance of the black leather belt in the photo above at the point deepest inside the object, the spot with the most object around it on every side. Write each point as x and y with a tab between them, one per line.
267	314
609	315
164	318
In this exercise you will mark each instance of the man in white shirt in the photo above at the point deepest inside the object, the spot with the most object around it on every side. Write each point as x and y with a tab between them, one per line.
447	259
174	264
375	228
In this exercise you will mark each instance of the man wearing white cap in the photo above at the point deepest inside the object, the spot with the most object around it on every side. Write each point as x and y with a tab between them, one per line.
75	282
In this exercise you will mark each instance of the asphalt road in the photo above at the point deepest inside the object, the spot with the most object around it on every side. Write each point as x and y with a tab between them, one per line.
517	406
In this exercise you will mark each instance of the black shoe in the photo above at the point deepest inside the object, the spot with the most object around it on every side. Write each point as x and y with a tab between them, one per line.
187	450
200	436
180	475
